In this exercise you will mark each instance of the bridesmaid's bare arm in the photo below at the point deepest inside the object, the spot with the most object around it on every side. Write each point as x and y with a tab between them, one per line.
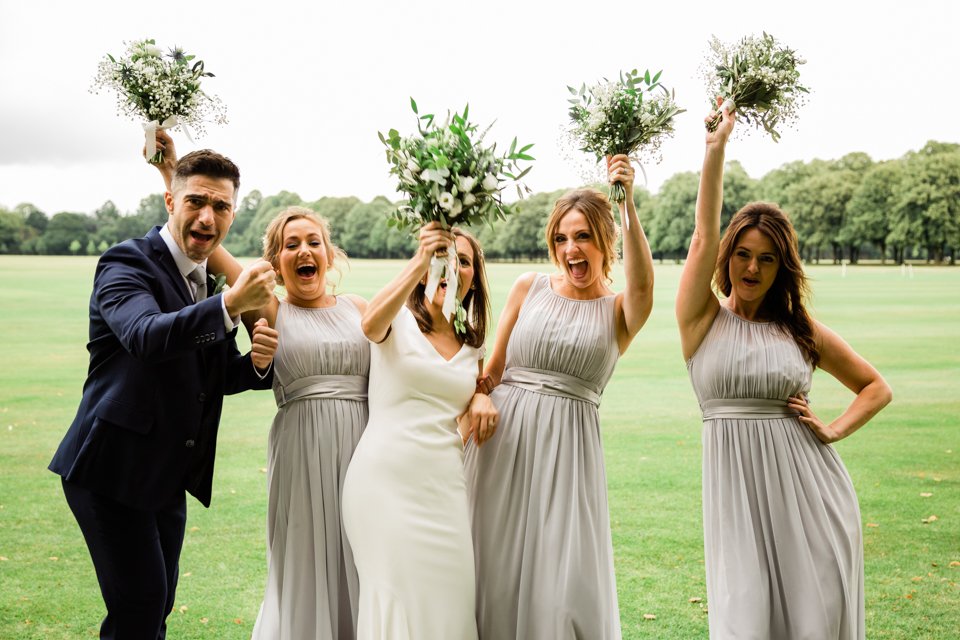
492	373
850	368
696	304
636	300
384	307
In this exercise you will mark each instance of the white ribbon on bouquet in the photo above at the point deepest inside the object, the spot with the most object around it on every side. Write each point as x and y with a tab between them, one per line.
150	133
440	266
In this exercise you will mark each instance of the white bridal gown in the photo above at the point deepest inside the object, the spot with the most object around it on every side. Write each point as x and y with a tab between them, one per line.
404	497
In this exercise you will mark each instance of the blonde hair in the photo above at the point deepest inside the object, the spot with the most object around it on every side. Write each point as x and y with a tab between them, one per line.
595	207
273	237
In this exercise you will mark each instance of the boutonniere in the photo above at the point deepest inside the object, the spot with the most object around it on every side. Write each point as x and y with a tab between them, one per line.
220	283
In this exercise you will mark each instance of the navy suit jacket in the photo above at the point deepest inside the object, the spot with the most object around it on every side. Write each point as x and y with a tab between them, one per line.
160	365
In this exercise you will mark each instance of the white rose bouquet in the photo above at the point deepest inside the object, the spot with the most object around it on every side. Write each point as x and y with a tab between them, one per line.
632	114
759	78
447	174
163	89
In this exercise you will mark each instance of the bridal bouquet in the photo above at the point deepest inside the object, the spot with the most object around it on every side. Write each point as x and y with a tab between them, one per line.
163	89
447	174
631	114
760	80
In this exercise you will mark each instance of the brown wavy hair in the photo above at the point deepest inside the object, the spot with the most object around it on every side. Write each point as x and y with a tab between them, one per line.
476	302
208	163
273	237
784	303
595	207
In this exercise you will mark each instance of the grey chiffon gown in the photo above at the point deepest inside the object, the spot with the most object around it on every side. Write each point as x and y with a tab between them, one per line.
538	492
320	384
782	538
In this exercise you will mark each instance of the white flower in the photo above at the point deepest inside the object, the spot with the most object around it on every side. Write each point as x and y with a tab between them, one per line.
469	200
413	166
446	200
490	182
466	183
456	209
435	175
152	50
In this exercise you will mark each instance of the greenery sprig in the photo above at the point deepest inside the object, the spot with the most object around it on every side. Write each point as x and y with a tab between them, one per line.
625	116
759	77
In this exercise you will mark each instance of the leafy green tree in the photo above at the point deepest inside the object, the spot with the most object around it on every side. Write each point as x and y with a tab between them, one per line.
13	231
521	235
151	212
250	242
107	219
738	190
674	215
365	234
74	247
871	206
35	219
334	211
928	208
64	229
245	213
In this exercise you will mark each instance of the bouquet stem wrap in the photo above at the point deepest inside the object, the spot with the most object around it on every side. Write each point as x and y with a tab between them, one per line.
729	105
440	266
150	136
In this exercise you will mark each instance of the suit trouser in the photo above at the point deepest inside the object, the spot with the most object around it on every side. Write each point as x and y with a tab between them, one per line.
136	555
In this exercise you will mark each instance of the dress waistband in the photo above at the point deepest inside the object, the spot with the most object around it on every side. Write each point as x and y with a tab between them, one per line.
342	387
746	408
552	383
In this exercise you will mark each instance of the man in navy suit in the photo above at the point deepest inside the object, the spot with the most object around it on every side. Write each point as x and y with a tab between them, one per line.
162	356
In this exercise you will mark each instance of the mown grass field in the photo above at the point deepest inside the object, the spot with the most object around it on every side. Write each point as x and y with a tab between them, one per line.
905	464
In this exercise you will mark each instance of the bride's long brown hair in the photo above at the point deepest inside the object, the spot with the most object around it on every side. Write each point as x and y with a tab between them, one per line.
784	302
476	301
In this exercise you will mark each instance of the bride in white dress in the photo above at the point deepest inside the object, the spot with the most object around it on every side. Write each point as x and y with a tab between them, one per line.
404	496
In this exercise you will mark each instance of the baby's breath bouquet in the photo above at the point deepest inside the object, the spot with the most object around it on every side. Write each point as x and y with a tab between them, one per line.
759	78
634	113
163	89
447	174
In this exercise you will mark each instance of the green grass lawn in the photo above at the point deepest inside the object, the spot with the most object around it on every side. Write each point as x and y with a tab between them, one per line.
909	328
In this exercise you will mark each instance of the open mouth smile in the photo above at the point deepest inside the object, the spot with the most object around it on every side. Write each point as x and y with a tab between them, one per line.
307	270
203	238
577	268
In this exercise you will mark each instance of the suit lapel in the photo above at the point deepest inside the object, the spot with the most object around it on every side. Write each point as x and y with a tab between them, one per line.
163	257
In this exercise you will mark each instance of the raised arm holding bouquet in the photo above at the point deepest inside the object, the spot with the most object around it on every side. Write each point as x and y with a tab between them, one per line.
449	176
161	89
759	78
611	118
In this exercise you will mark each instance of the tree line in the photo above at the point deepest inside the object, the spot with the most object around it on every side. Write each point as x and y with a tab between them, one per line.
845	209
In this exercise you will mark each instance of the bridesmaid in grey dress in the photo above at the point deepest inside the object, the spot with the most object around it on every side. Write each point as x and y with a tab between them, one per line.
783	547
538	493
320	385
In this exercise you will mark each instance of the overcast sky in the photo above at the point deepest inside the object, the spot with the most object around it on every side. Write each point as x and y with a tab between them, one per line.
308	84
